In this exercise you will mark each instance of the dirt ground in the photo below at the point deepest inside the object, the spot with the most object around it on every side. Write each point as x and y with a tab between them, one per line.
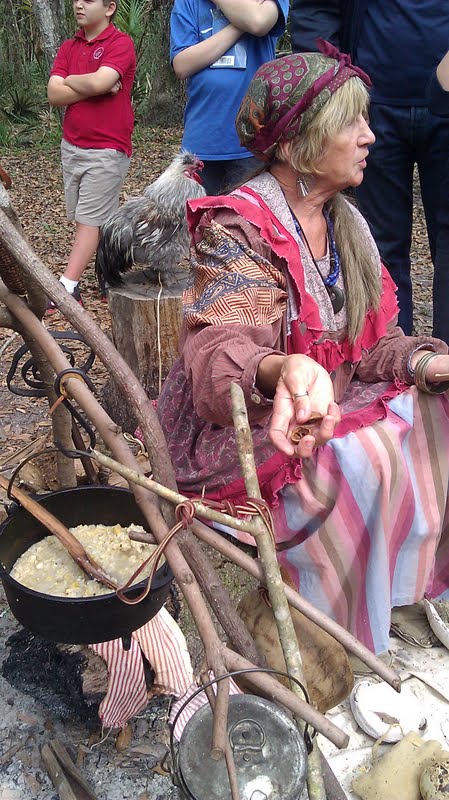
27	722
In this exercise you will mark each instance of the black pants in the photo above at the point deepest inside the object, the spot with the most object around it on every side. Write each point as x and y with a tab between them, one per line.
441	264
221	176
406	136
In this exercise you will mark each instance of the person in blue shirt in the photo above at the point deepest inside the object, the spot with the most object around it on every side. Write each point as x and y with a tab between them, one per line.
217	47
398	43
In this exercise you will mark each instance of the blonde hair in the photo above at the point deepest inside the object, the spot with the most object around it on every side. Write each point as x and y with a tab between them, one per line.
359	265
342	108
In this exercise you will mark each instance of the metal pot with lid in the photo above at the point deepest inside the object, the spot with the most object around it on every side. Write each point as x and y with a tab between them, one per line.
269	752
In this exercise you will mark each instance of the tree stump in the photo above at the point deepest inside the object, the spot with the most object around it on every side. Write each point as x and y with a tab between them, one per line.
146	322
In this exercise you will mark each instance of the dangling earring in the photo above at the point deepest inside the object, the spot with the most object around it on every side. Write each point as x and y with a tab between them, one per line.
302	186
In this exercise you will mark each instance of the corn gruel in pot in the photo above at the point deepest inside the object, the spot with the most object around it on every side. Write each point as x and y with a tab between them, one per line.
47	567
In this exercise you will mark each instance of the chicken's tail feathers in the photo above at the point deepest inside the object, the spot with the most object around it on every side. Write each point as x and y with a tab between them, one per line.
114	254
108	270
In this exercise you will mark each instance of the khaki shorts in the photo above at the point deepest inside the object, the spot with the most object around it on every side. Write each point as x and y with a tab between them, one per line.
92	182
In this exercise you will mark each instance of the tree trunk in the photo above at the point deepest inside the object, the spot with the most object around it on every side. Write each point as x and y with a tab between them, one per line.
11	40
49	29
60	19
167	97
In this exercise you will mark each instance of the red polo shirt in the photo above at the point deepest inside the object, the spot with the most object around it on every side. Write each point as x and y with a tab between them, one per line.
104	120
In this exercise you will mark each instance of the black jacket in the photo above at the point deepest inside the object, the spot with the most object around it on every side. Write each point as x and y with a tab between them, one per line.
338	21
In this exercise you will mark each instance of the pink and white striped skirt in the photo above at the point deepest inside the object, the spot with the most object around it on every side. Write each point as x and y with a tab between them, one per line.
366	527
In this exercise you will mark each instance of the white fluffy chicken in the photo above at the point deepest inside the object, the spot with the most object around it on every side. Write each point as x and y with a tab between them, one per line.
150	232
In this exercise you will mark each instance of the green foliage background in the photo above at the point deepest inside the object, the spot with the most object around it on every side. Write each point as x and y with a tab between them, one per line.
26	118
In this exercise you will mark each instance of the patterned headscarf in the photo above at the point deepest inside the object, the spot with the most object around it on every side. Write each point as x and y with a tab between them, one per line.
285	94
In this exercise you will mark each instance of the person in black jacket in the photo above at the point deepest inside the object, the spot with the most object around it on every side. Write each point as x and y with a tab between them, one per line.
438	98
398	44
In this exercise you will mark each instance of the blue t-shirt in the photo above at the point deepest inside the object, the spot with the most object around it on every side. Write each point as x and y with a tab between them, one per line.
401	42
214	94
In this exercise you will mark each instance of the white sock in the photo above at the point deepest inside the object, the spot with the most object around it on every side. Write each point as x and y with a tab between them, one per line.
68	284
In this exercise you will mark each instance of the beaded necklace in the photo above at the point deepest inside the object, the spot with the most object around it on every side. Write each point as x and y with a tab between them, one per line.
336	295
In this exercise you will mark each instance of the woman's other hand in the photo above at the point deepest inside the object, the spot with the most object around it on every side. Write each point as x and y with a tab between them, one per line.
303	388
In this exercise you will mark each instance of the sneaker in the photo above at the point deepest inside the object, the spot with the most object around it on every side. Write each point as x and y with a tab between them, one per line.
76	294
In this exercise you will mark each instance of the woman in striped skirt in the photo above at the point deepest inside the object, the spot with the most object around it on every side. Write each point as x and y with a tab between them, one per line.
290	300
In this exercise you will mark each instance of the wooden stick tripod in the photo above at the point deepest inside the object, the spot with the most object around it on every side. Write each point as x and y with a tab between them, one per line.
191	567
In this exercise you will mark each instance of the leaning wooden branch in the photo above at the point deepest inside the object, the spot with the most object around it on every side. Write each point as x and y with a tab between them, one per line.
67	539
141	406
111	435
265	684
273	580
230	763
201	509
220	721
254	568
113	439
250	565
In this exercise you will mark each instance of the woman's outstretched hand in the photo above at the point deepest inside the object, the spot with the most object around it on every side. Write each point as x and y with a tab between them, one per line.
304	388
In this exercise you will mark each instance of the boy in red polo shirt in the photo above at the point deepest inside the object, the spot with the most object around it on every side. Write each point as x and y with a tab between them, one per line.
92	76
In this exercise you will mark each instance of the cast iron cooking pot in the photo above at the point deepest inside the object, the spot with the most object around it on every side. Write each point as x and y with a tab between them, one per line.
77	620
